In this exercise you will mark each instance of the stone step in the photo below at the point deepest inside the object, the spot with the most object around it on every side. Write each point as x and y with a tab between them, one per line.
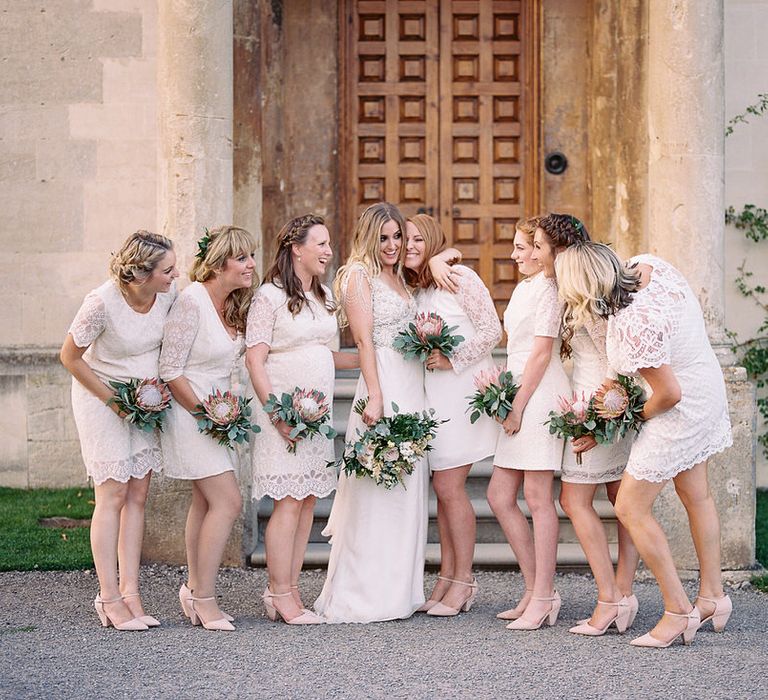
490	555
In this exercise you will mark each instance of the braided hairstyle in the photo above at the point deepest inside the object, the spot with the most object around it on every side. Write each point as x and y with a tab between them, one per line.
138	257
281	272
563	231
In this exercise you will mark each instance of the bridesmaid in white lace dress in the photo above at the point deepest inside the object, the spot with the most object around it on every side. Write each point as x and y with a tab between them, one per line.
656	329
291	333
447	384
116	336
527	455
204	338
601	464
378	536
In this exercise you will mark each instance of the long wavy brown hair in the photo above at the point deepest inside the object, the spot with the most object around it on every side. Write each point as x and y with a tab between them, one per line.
435	242
281	272
227	242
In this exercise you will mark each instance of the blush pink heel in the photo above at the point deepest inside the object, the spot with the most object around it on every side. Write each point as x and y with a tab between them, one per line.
430	603
723	610
220	625
512	613
648	640
134	625
306	618
148	620
185	598
620	619
634	606
441	610
550	616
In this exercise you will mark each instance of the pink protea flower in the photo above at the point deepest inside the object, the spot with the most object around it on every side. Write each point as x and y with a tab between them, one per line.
487	377
428	324
310	404
611	400
222	409
153	395
577	405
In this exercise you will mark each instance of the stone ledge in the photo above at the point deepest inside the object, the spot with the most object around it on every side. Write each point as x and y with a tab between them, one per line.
29	356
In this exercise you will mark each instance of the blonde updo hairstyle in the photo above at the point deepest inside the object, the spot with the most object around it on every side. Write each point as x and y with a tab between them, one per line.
137	259
593	282
528	227
227	242
366	247
434	243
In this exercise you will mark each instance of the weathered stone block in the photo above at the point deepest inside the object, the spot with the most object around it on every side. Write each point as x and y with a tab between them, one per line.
13	428
56	464
120	121
65	160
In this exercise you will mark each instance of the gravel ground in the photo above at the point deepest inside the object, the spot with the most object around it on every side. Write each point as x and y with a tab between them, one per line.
52	646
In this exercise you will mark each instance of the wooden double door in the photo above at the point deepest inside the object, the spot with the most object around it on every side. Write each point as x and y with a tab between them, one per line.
440	115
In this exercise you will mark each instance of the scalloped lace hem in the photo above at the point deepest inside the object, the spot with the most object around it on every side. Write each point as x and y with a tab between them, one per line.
575	475
318	490
137	466
723	442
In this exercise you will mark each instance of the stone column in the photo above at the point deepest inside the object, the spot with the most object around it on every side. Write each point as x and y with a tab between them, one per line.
686	227
195	89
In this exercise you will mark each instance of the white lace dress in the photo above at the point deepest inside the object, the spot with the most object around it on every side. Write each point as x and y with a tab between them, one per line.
603	463
664	325
379	536
196	345
122	344
459	442
534	310
299	356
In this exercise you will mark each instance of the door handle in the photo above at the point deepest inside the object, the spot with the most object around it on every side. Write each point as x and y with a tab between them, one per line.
426	210
455	212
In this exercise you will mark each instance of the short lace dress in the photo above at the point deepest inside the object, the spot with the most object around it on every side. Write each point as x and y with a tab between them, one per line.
534	310
460	442
664	325
122	344
299	356
603	463
198	346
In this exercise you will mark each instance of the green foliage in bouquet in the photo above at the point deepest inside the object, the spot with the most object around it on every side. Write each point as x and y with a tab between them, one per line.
425	333
226	418
618	407
496	390
143	401
576	419
307	411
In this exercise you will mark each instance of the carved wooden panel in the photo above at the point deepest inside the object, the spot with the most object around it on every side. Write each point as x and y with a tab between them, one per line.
440	111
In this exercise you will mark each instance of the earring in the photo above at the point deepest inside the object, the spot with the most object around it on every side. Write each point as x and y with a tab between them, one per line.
298	257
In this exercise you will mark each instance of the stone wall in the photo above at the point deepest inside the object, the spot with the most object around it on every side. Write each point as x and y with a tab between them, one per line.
746	164
78	144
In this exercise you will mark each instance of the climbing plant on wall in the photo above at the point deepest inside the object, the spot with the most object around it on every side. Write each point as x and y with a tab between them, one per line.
753	221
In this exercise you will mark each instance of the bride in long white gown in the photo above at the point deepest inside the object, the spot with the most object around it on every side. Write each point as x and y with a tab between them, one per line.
378	536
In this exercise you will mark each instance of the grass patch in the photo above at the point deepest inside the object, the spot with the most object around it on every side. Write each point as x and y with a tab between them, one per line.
26	546
761	538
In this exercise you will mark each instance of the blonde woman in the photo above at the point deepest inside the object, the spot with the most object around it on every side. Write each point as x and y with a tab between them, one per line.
656	330
116	336
447	383
600	464
526	454
291	331
378	537
203	340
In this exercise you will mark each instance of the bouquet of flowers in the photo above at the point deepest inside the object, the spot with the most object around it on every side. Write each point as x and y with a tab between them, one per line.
575	419
425	333
496	390
225	417
144	402
389	450
306	411
618	406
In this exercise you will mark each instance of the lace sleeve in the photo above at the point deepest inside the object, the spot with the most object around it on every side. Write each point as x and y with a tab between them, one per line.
357	290
475	300
89	322
179	334
640	339
261	321
549	312
597	329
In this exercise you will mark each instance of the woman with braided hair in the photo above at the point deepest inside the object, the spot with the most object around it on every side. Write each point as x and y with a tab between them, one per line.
116	336
290	337
599	464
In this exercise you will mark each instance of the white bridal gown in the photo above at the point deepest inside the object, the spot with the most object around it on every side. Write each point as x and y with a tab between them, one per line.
378	536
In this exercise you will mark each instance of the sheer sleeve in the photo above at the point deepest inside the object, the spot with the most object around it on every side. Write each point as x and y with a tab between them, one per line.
549	311
637	339
261	321
357	290
597	329
89	322
179	334
476	302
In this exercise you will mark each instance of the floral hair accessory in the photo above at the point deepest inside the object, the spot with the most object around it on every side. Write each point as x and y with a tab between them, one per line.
576	223
202	245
